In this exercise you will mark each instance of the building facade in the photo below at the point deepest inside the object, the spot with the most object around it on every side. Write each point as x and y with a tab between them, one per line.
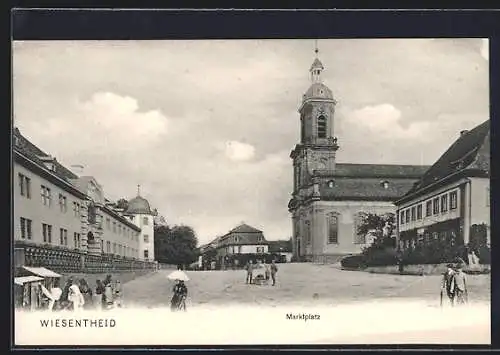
240	243
452	196
55	207
327	196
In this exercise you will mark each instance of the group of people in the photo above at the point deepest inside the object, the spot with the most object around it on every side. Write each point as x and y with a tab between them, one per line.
454	284
77	295
270	271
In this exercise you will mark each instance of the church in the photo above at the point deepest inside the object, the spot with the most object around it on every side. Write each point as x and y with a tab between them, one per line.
327	196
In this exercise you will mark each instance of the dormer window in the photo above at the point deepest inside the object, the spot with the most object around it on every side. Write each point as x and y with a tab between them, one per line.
384	184
236	239
331	183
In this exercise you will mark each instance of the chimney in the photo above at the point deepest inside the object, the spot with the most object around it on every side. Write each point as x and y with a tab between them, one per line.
463	132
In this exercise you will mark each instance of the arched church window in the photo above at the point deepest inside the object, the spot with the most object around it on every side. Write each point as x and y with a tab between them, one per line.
333	221
321	126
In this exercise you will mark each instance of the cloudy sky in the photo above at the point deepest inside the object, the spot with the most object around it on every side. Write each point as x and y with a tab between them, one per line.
206	127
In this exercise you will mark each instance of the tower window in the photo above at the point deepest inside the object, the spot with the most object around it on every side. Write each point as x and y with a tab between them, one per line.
331	183
321	126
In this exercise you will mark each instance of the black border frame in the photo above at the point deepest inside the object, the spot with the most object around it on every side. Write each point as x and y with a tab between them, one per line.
37	24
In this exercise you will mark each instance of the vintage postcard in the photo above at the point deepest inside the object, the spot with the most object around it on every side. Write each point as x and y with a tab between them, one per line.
212	192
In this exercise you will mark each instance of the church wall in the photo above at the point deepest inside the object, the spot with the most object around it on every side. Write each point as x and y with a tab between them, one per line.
346	212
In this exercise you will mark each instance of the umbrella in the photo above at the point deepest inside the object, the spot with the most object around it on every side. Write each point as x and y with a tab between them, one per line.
178	275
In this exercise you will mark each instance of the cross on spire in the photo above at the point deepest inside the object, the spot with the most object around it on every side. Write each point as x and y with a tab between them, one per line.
316	50
138	190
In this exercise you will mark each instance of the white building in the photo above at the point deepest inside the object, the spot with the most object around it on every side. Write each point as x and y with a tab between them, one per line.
452	196
139	213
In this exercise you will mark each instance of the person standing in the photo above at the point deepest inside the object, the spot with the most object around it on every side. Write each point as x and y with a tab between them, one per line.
448	284
86	292
267	272
249	268
64	302
99	293
274	270
460	286
76	297
178	300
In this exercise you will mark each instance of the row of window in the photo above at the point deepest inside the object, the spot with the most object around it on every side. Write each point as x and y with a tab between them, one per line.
46	195
422	239
434	206
120	249
46	198
119	229
26	226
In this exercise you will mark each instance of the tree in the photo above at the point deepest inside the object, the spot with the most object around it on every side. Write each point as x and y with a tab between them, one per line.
382	227
122	204
176	245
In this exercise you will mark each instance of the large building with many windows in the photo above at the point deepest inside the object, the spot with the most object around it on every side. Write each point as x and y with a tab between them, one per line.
328	197
55	207
452	196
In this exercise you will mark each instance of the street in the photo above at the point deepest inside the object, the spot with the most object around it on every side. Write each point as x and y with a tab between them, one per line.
296	284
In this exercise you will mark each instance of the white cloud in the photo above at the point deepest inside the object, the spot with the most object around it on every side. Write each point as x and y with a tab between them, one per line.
384	121
238	151
485	50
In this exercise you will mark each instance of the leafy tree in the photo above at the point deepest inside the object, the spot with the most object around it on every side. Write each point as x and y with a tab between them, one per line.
176	245
382	227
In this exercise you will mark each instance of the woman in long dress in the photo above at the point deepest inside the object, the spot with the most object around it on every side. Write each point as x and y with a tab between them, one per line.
86	292
178	300
76	297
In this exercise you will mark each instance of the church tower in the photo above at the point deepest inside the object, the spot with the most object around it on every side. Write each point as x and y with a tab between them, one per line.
313	156
317	147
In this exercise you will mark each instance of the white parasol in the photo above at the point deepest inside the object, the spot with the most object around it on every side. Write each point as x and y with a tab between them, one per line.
178	275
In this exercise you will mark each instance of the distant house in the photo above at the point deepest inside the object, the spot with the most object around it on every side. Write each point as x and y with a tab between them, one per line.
282	248
239	244
452	196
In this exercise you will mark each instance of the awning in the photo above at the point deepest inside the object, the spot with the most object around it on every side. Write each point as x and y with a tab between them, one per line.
25	279
41	271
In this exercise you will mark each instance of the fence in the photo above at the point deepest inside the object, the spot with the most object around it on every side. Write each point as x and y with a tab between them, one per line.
74	261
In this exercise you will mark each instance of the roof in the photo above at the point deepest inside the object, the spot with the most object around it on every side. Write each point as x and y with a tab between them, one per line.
21	280
365	188
469	153
317	64
138	205
23	145
318	91
243	235
245	228
41	271
379	170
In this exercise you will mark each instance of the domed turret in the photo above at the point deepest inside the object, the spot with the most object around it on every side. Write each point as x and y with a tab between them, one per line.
138	205
317	90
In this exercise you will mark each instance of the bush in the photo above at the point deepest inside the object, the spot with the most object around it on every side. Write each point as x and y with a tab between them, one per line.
484	255
380	257
353	262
